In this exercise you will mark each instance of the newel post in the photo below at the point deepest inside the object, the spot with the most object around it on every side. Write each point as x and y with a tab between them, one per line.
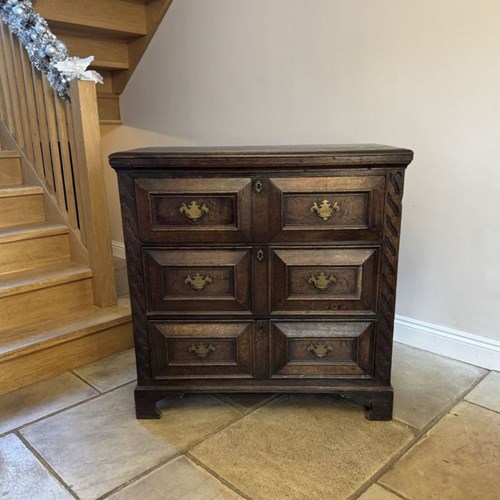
92	190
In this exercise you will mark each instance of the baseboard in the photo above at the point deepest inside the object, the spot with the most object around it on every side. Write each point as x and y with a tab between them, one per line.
118	249
479	351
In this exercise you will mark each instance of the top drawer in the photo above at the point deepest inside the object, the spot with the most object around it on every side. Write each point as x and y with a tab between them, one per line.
194	210
326	208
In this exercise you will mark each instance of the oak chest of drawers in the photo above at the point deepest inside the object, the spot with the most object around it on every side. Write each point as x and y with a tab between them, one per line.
263	269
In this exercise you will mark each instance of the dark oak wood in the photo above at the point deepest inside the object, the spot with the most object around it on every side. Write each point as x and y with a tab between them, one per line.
263	269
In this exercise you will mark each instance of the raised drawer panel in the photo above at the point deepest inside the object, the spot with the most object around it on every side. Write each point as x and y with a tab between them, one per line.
326	209
329	280
193	281
208	349
194	210
322	348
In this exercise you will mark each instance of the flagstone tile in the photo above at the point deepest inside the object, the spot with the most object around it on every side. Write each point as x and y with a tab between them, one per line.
426	383
300	446
110	372
487	392
35	401
458	458
100	445
376	492
179	479
23	477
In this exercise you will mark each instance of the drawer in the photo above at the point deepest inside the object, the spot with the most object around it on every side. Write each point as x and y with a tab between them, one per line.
195	281
194	210
322	348
208	349
337	280
326	209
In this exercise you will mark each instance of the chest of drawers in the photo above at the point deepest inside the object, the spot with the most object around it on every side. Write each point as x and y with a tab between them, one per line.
263	269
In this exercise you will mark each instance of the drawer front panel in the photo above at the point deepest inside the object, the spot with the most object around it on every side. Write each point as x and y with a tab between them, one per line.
208	349
327	280
194	210
326	209
322	348
193	281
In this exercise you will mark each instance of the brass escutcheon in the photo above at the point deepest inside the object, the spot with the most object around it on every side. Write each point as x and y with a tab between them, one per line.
194	211
322	281
201	350
199	282
325	210
258	186
319	349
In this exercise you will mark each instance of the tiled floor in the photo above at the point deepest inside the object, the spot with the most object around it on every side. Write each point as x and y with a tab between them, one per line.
76	436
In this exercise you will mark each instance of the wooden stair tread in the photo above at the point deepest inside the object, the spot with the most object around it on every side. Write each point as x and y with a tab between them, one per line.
31	231
19	190
89	320
115	17
9	154
44	277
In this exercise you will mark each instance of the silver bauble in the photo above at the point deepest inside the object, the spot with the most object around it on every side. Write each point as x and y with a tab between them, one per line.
40	28
33	36
50	50
61	46
18	10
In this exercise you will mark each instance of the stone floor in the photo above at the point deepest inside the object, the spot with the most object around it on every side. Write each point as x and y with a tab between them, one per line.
75	436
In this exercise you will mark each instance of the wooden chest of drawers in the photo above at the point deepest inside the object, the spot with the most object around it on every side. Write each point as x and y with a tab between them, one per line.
263	269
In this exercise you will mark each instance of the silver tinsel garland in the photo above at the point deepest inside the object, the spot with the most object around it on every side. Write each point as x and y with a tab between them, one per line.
44	49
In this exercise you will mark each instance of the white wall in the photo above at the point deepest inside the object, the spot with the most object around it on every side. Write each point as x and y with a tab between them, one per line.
422	74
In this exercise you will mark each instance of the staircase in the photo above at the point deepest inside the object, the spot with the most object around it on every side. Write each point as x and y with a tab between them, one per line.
58	304
115	32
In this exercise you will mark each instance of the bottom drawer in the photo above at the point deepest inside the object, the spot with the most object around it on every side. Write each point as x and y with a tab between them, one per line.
322	348
198	350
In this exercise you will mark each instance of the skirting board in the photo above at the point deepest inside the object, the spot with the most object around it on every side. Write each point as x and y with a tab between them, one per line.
463	346
118	249
479	351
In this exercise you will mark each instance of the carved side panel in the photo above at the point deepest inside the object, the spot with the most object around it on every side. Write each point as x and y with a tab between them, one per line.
135	276
388	275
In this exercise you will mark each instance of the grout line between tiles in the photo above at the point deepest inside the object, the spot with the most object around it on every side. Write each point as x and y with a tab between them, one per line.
241	409
145	473
417	437
86	381
74	405
45	464
481	406
217	476
390	490
185	451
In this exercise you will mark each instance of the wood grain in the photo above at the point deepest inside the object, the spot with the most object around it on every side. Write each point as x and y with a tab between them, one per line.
93	191
321	303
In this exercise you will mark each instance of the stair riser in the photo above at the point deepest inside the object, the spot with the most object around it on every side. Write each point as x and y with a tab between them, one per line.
26	309
20	210
57	359
29	254
10	172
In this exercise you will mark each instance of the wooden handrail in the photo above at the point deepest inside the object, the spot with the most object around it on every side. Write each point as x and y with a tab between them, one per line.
62	144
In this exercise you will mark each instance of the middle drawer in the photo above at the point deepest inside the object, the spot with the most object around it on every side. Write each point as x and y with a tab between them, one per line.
198	281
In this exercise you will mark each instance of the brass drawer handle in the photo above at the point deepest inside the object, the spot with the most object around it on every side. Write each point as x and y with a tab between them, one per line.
194	211
325	210
319	349
322	281
201	350
199	282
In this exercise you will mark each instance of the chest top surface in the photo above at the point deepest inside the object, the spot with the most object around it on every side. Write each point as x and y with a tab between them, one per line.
255	157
